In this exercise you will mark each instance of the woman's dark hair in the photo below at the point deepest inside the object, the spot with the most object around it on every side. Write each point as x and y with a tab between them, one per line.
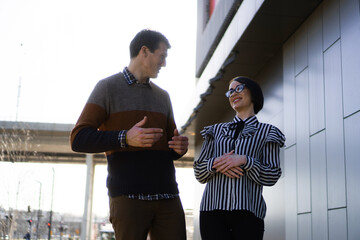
149	38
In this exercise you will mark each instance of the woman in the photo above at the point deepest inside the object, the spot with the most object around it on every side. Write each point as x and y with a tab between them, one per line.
237	159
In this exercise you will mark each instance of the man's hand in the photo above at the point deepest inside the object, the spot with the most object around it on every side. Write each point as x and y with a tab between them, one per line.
230	164
179	143
143	137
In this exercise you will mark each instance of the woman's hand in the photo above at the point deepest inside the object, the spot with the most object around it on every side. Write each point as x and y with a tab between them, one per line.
230	164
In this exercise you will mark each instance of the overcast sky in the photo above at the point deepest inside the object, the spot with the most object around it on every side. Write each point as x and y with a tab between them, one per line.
54	51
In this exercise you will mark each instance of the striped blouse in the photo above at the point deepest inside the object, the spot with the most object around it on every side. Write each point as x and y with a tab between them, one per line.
261	143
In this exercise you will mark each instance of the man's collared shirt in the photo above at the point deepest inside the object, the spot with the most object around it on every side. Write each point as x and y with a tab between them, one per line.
130	78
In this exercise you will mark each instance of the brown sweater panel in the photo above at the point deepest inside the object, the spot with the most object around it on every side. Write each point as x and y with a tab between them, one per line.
127	119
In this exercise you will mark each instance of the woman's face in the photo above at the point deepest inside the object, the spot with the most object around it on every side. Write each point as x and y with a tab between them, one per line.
240	102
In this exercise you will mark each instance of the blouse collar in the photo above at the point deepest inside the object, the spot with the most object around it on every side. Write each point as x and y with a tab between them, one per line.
250	126
249	121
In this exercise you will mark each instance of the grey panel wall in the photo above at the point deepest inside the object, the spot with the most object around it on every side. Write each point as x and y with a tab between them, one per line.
321	70
318	186
352	149
331	23
289	91
304	222
338	224
302	141
350	34
290	193
334	127
316	78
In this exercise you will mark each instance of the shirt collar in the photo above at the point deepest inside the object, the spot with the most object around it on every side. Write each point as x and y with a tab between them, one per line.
130	78
249	129
249	120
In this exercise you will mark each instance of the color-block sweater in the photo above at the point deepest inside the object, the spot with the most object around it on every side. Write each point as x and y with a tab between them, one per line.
115	105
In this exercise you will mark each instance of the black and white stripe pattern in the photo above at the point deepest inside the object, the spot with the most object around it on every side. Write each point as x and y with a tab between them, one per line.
261	143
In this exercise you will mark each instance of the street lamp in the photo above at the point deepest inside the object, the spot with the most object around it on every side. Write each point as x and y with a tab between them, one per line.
39	213
52	199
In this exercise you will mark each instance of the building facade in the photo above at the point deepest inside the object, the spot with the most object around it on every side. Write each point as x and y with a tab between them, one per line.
306	57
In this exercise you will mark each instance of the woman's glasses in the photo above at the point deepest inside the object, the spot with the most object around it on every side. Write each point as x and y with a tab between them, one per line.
238	89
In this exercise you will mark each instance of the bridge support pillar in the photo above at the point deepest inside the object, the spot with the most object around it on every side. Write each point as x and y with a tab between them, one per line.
87	216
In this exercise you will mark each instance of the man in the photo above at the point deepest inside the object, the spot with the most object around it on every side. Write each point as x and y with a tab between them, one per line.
27	236
131	119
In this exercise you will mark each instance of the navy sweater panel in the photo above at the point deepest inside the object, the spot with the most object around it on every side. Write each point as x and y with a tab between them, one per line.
141	172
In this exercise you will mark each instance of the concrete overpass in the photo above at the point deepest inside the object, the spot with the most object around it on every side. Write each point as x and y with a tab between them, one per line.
49	143
36	142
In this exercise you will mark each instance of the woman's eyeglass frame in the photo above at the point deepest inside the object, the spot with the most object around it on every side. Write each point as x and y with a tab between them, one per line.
238	89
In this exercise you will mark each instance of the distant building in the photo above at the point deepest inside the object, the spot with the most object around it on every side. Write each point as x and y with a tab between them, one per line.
306	56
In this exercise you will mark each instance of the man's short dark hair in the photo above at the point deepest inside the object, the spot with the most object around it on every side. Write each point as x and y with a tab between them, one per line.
148	38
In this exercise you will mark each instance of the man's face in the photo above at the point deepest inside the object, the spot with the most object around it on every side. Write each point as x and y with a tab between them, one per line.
156	60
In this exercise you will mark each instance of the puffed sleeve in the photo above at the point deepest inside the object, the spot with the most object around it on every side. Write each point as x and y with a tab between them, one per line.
208	132
266	171
276	136
203	165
